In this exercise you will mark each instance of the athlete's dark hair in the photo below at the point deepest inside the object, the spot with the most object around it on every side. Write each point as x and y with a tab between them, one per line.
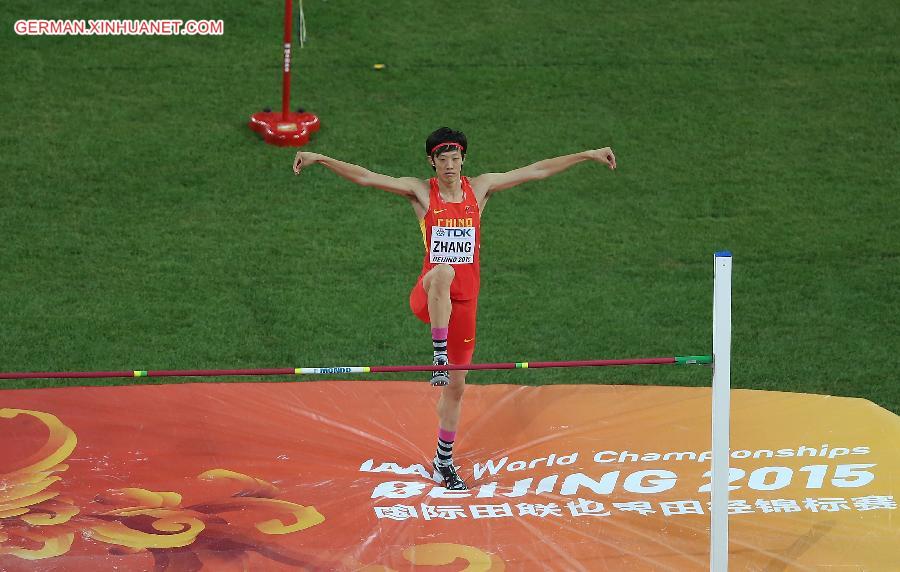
434	145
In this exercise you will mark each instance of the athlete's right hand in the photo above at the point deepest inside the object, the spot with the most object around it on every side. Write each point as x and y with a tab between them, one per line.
301	160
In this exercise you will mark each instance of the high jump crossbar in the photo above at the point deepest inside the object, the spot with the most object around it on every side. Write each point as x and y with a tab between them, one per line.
675	360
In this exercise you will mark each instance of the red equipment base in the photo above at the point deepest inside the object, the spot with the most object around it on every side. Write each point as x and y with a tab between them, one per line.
291	132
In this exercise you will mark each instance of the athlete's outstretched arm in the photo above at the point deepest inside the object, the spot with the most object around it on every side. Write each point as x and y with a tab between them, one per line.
409	187
493	182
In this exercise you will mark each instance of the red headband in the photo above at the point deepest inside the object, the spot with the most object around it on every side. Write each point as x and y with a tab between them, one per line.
451	143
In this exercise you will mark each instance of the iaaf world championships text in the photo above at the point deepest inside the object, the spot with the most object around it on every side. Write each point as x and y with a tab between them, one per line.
492	466
643	479
119	27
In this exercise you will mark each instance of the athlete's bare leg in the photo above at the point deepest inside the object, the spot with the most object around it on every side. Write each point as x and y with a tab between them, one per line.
437	288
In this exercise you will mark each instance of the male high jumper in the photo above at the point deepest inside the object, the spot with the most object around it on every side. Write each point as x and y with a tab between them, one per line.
448	207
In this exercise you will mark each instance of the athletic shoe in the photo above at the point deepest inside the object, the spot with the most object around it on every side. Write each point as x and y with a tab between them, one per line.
439	378
452	481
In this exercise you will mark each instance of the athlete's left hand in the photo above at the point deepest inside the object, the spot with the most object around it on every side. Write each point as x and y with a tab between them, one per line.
605	156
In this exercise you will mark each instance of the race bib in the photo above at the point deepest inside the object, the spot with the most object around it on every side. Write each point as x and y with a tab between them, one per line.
452	245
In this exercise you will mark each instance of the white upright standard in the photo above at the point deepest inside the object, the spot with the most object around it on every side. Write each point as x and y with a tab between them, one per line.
721	410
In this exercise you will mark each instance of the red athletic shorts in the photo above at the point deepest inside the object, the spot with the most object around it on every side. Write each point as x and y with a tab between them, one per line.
461	335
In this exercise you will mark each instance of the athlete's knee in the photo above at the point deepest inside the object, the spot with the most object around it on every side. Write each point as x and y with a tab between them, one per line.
453	393
442	275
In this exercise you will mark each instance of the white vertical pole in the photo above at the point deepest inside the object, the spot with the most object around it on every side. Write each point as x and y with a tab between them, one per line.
721	410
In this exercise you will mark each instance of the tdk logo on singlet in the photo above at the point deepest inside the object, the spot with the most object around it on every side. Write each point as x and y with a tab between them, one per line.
457	232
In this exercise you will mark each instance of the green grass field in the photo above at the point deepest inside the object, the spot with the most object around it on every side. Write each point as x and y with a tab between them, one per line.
144	226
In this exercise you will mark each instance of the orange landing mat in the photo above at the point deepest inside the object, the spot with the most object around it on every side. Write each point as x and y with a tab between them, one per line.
337	476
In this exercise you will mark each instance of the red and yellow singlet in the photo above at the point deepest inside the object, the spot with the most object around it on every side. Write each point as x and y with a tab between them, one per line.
452	235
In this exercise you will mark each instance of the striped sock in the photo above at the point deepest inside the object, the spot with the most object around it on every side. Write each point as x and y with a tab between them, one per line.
439	339
445	447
